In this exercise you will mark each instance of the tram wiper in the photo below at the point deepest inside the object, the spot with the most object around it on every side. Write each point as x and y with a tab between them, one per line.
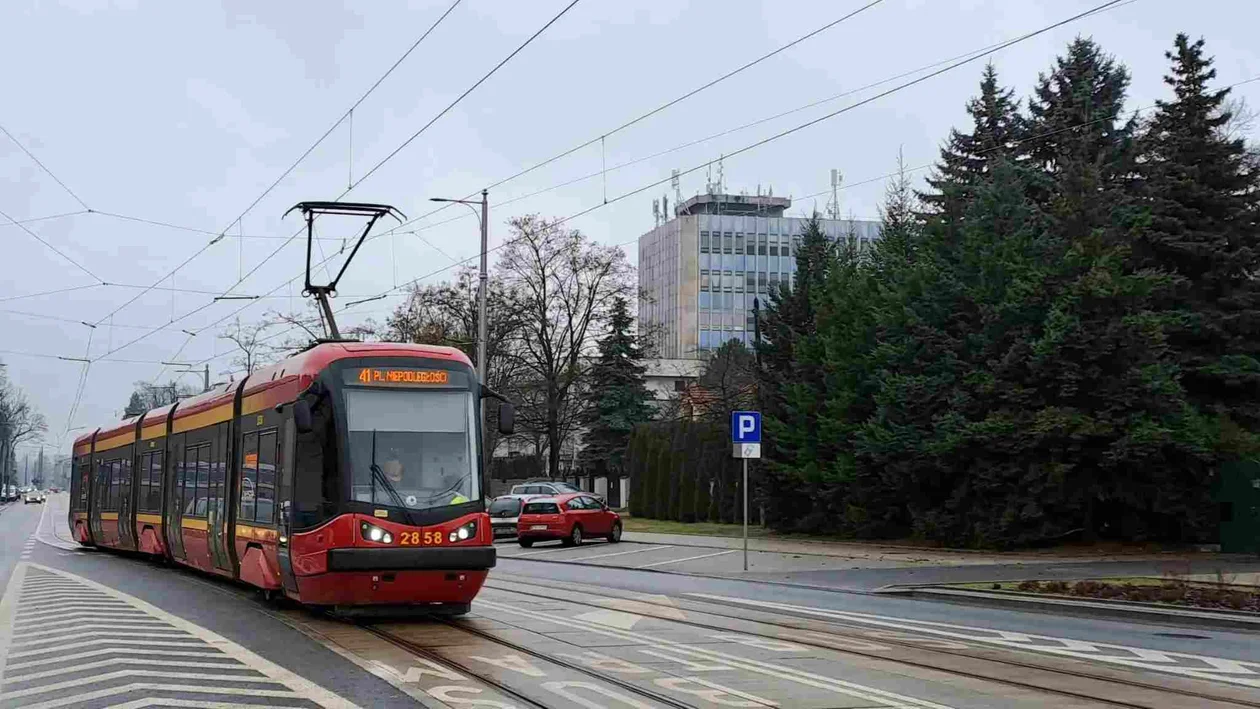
378	474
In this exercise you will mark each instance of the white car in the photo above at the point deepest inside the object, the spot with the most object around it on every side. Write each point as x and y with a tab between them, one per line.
33	496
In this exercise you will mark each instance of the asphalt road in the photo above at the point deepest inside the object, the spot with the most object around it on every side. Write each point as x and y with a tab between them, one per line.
1240	646
89	628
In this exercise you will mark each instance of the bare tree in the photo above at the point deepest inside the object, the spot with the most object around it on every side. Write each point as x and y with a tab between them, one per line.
446	314
566	285
148	396
1242	118
19	422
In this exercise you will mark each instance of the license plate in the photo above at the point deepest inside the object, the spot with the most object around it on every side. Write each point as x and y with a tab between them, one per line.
538	526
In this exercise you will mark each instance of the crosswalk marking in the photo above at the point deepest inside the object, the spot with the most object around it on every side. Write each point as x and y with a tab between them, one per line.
66	641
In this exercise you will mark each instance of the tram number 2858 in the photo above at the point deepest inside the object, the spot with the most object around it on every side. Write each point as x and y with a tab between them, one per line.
419	538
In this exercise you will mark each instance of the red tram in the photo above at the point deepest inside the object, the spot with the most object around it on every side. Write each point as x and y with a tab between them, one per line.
347	476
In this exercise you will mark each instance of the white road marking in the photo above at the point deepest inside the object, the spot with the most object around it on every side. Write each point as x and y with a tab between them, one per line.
178	633
111	651
1157	660
548	550
769	669
623	553
689	558
157	630
141	661
120	643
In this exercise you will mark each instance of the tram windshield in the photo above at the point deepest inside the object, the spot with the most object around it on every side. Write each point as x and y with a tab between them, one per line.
412	449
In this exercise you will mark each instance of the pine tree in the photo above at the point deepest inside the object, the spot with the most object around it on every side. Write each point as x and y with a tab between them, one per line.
1203	192
617	387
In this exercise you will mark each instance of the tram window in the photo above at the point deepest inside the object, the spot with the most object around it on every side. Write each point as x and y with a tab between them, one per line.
249	477
124	484
85	469
203	480
266	490
188	479
115	484
153	497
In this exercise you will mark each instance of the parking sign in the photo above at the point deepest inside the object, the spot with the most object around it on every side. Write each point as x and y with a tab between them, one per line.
746	434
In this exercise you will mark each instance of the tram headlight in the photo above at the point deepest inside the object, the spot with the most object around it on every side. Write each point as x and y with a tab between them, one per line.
463	533
373	533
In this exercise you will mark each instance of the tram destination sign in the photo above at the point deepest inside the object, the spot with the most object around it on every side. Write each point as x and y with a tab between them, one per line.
401	377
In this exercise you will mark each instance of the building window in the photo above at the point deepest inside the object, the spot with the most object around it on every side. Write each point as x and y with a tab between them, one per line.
728	242
680	385
704	300
704	242
750	280
739	281
774	245
761	282
704	280
761	244
739	242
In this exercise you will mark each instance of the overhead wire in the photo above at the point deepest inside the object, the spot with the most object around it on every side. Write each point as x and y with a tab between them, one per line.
220	235
967	59
43	167
644	116
751	146
392	154
53	248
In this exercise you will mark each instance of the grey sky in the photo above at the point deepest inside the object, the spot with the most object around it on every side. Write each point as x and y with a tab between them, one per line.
184	113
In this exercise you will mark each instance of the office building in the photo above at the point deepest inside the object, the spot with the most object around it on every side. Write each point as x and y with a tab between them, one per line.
700	271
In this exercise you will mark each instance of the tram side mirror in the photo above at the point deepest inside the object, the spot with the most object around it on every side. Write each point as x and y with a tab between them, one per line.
507	418
302	416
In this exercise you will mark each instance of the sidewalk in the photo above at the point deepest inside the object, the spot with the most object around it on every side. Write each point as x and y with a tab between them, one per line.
886	555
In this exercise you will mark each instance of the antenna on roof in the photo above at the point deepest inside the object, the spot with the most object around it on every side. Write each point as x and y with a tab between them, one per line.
310	210
673	182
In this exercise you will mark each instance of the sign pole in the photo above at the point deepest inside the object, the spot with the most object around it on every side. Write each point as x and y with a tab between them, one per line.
745	514
746	440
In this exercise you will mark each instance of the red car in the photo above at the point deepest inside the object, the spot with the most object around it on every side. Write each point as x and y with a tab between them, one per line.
570	518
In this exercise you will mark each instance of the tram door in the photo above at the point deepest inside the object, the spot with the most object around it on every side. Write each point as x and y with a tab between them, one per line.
284	504
126	507
217	504
100	490
176	475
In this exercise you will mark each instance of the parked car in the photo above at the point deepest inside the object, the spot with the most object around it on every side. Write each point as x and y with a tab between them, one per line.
544	487
570	518
504	511
33	495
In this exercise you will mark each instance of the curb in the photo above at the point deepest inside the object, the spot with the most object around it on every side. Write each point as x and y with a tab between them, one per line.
1114	610
812	587
1022	561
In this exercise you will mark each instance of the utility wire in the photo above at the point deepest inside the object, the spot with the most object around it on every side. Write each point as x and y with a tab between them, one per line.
797	128
55	291
44	167
394	153
469	90
746	148
974	56
50	217
218	237
54	249
654	111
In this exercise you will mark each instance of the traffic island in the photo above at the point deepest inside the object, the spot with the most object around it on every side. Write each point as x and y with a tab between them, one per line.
1220	603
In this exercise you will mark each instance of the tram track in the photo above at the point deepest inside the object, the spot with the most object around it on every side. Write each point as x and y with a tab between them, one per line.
669	614
489	679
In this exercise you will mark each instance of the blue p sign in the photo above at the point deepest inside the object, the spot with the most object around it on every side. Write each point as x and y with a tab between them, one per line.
746	427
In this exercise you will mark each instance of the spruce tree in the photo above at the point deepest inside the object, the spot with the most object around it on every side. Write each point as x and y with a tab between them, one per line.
617	387
967	158
1202	189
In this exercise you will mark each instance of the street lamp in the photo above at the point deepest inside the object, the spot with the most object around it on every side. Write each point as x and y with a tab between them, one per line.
484	218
